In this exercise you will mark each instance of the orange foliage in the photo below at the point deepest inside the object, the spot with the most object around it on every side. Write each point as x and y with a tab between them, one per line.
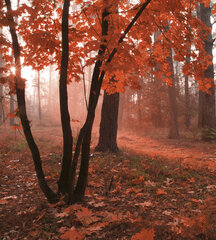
139	54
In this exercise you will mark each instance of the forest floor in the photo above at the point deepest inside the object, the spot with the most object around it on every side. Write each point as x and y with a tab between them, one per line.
155	188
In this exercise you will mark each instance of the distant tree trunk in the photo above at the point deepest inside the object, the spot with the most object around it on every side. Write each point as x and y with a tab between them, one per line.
50	91
173	126
121	107
20	91
139	105
39	96
2	114
207	101
63	183
12	109
187	98
109	124
1	104
187	103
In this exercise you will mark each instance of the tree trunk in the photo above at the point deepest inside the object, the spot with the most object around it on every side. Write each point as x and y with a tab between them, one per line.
12	109
85	133
1	104
187	103
109	124
63	183
207	118
39	96
173	127
20	91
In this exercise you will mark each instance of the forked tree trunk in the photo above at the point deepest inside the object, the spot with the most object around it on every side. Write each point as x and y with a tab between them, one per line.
64	184
109	124
85	133
20	91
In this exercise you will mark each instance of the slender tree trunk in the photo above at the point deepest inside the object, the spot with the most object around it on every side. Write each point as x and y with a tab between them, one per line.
39	96
109	124
121	112
12	100
173	127
63	183
1	104
207	118
50	90
187	103
20	91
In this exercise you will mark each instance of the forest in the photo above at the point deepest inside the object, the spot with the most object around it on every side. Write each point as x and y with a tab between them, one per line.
107	119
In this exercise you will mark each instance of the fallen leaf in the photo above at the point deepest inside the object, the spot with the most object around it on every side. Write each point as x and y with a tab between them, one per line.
96	227
72	234
161	192
145	234
85	216
3	201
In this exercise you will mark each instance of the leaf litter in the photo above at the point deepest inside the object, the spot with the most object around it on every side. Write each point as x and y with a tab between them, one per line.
150	197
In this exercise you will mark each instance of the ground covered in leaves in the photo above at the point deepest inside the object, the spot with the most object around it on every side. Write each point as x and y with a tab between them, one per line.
131	195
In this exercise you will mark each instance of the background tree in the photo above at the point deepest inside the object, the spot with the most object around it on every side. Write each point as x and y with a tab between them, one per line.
207	118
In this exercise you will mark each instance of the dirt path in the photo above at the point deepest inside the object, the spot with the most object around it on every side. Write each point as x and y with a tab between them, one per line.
194	153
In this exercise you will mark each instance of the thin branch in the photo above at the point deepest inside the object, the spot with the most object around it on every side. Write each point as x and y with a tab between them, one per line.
84	85
168	40
91	24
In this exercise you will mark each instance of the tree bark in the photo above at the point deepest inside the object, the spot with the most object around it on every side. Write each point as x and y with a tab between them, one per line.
207	118
63	183
109	124
20	91
173	126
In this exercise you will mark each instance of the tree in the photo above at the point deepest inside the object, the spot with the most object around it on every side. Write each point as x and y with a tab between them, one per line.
207	118
173	126
109	124
20	92
116	54
68	173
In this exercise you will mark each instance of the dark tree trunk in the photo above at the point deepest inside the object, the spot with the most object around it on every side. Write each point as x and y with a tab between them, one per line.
85	134
20	91
207	118
173	127
109	124
64	184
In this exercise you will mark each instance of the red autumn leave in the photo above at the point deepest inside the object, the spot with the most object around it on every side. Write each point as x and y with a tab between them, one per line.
144	234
